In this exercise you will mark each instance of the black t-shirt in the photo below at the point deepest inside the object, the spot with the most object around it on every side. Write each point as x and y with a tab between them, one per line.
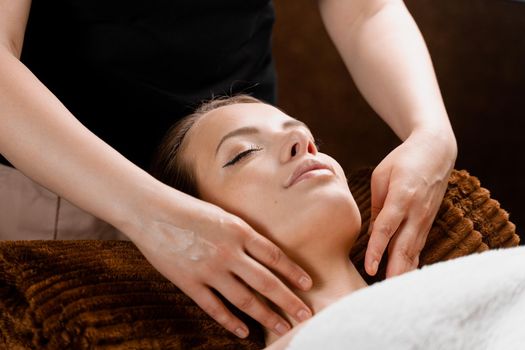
129	69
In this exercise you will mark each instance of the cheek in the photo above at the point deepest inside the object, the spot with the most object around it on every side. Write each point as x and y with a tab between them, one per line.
251	193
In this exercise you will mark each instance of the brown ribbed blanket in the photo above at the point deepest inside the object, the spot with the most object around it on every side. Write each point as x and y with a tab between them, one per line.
105	295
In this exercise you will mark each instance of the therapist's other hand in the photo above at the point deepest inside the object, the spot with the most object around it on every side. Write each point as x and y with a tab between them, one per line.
407	190
200	248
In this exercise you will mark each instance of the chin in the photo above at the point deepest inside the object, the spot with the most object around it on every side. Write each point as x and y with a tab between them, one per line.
339	209
329	213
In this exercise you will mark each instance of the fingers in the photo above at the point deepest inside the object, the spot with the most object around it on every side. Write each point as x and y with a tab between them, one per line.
379	190
214	307
247	301
407	188
402	220
263	281
263	250
267	284
375	249
384	228
409	241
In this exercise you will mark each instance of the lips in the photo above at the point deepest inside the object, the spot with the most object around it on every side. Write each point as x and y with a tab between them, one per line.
305	167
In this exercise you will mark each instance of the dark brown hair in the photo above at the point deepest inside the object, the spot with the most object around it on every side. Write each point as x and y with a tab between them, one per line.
167	165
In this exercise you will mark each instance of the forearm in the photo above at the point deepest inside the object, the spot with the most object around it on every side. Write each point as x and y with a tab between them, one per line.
46	142
387	57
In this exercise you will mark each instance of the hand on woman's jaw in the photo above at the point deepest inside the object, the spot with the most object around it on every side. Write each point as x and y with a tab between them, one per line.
254	161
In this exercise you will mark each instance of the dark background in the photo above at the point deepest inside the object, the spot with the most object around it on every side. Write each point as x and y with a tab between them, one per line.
478	51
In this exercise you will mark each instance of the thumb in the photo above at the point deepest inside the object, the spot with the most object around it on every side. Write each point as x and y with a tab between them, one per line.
379	190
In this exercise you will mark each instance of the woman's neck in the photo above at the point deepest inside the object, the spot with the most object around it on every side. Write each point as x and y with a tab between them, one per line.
333	277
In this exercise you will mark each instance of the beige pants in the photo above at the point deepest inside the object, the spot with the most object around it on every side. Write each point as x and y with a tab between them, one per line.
30	211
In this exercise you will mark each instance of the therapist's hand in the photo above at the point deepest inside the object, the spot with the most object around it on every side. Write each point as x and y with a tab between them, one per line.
200	247
407	190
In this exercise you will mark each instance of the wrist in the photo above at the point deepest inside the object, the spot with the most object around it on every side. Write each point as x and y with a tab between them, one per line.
439	135
139	201
153	202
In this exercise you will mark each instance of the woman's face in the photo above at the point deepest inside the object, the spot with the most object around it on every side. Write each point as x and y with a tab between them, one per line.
254	161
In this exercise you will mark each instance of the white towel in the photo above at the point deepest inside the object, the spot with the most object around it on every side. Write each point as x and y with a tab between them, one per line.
473	302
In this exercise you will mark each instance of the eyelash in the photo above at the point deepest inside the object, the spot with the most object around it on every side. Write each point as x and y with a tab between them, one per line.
243	154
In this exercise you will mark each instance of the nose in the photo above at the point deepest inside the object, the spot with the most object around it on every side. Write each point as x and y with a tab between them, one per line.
297	143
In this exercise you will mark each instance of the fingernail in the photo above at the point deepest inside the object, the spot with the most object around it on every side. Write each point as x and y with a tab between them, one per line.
375	265
303	315
281	328
241	332
305	282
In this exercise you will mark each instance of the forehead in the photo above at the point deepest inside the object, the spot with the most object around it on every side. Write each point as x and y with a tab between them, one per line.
238	115
211	127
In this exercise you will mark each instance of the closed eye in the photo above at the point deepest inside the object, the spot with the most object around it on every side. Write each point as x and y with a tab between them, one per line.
241	155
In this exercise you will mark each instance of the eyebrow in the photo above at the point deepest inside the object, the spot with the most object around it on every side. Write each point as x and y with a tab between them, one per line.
250	130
